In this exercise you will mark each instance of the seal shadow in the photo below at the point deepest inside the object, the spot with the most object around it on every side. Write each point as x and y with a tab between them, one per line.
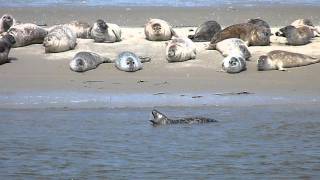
10	59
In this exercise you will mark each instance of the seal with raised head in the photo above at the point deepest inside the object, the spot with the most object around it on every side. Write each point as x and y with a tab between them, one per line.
205	31
105	32
233	46
251	34
130	62
59	39
158	30
27	34
279	60
161	119
84	61
234	63
296	36
6	22
180	49
6	42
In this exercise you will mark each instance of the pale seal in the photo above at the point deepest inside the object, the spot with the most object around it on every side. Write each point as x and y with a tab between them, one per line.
307	23
161	119
6	22
84	61
158	30
279	60
27	34
82	29
205	31
130	62
180	49
234	63
251	34
6	42
59	39
296	36
105	32
233	46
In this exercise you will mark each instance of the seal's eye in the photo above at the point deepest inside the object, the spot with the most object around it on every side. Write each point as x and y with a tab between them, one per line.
2	49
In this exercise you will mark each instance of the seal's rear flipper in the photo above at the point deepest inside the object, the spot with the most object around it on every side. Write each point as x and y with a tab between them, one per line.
211	46
144	59
173	32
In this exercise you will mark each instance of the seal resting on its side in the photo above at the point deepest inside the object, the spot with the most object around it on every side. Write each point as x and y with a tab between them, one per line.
158	30
296	36
234	63
180	49
59	39
233	46
6	22
84	61
6	42
205	31
279	60
161	119
105	32
27	34
251	34
130	62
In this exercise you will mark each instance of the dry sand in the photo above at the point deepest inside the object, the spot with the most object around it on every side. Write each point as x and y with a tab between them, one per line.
32	70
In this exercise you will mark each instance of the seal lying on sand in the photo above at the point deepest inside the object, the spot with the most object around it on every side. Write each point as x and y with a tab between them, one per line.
105	32
81	29
307	23
233	46
130	62
158	30
26	34
59	39
259	22
282	59
205	31
180	49
84	61
234	63
6	41
6	22
296	36
251	34
161	119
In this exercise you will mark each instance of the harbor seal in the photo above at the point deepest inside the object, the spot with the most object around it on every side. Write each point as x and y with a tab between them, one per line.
6	42
158	30
27	34
279	60
105	32
307	23
233	46
130	62
205	31
180	49
6	22
234	63
59	39
84	61
161	119
251	34
259	22
296	36
81	29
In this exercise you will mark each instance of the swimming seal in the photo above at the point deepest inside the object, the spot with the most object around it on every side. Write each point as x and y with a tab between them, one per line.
158	30
279	60
105	32
180	49
205	31
251	34
130	62
59	39
161	119
84	61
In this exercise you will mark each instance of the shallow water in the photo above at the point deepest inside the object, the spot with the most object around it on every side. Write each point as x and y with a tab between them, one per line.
175	3
251	142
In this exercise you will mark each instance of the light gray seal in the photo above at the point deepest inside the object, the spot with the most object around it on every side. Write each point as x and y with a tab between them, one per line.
180	49
205	31
27	34
158	30
6	42
251	34
279	60
234	64
105	32
233	46
296	36
130	62
84	61
59	39
6	22
161	119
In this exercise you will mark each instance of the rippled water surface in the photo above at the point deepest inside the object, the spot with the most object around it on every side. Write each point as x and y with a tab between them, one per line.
251	142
